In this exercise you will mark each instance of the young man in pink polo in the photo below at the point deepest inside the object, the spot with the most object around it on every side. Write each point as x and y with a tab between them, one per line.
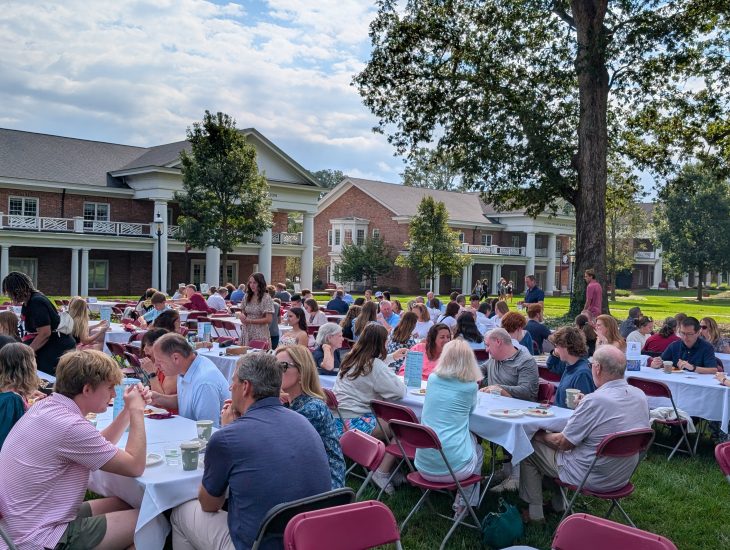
47	457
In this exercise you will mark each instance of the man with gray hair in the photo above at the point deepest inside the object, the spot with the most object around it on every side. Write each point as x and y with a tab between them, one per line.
387	317
613	407
264	455
511	370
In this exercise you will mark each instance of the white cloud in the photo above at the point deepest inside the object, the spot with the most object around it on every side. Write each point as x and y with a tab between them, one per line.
140	72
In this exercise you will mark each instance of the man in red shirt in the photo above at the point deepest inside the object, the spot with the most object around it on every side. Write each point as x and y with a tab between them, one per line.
196	301
594	293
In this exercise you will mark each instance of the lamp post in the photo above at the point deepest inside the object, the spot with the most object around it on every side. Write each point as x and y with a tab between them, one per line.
159	224
571	256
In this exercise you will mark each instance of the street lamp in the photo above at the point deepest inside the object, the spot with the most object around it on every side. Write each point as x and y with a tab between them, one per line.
571	257
159	225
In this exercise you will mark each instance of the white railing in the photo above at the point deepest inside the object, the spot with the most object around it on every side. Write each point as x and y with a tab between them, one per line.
73	225
493	250
645	255
286	238
173	231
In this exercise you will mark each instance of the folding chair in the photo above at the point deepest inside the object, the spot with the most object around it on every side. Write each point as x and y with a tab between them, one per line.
385	412
333	405
222	335
548	375
654	388
545	392
581	531
364	450
272	526
259	344
617	445
136	365
135	350
481	355
116	348
359	525
419	436
136	336
722	455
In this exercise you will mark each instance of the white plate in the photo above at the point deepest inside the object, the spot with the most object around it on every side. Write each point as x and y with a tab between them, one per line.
539	413
149	409
153	458
420	392
506	413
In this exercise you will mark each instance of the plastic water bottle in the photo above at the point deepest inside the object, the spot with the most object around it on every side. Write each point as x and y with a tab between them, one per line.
119	395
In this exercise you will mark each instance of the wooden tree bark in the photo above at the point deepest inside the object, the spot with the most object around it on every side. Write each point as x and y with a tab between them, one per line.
591	159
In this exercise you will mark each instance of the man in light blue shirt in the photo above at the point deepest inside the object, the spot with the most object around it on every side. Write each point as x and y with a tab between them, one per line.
346	297
159	304
388	318
201	388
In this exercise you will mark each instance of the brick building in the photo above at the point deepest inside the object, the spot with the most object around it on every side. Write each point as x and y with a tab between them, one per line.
82	217
498	244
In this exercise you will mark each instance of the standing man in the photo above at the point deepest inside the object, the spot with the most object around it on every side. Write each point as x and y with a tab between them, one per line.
533	294
594	293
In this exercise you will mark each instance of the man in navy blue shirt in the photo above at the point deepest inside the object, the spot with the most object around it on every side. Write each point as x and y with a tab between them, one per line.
264	455
533	293
690	352
338	304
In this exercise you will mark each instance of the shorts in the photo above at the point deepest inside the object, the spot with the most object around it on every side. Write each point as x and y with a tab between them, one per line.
366	423
86	531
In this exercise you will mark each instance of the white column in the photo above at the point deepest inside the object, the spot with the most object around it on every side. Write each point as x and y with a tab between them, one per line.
265	254
4	262
658	265
496	275
465	288
212	266
308	252
530	254
436	283
719	278
550	279
74	272
85	272
161	209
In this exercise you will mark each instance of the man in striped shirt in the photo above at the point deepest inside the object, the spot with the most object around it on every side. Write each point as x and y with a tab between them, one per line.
47	457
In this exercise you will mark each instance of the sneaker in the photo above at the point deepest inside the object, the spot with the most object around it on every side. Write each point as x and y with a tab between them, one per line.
509	484
380	479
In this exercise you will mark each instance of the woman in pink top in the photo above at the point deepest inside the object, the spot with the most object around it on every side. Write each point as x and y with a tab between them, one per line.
438	335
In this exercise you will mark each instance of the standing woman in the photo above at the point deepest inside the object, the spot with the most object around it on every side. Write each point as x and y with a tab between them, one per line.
257	309
41	321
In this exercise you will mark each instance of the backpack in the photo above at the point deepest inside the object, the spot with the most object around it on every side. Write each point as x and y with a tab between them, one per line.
66	323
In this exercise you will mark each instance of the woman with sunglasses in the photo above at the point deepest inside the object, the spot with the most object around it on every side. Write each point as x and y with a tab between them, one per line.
300	388
710	332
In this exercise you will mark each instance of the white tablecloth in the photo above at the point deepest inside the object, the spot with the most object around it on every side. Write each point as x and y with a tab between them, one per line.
225	363
514	434
696	394
96	306
160	488
725	358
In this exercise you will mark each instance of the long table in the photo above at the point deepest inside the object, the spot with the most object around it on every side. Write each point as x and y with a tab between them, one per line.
513	434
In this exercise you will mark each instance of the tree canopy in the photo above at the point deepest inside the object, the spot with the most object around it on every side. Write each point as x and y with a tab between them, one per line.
225	201
524	94
432	247
328	177
427	169
367	261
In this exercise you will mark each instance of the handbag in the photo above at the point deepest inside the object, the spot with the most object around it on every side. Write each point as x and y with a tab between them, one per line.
500	529
65	324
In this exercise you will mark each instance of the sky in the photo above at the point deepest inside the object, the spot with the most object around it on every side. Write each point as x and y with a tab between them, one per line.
139	72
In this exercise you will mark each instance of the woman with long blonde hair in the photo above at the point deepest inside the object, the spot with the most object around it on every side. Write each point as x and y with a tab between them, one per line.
301	389
608	333
86	339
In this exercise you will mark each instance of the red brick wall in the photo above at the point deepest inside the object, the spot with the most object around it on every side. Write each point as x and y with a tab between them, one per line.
281	222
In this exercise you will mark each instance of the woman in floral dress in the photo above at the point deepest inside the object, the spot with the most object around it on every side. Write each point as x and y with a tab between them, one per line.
257	309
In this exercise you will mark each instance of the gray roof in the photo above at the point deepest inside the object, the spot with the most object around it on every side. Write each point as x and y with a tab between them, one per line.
403	200
42	157
161	155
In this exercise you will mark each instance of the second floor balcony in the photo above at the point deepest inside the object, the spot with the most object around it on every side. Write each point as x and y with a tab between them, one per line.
646	255
493	250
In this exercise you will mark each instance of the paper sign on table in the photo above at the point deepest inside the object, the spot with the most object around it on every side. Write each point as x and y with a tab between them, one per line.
633	356
414	369
106	314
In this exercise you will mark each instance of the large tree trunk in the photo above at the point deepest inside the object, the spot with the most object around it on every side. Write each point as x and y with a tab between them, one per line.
590	161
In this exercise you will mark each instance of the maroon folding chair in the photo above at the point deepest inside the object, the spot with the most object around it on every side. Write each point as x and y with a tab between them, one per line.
384	412
364	450
545	392
333	405
722	455
617	445
581	531
193	315
359	525
136	336
481	355
222	336
419	436
134	350
116	348
312	330
547	374
259	344
654	388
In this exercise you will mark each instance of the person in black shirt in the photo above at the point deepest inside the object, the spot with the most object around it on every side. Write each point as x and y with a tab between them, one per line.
535	326
41	321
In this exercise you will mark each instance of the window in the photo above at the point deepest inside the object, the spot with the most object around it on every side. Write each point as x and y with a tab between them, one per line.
329	238
639	278
376	233
515	241
337	237
348	236
29	266
197	272
169	216
23	206
513	278
360	237
558	246
461	236
486	240
98	274
95	212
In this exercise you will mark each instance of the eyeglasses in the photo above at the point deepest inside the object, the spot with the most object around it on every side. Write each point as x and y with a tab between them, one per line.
703	327
285	366
687	334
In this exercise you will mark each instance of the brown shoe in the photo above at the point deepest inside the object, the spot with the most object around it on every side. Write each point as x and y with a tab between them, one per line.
527	520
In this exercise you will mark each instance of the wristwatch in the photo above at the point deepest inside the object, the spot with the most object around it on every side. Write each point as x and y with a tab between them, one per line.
152	375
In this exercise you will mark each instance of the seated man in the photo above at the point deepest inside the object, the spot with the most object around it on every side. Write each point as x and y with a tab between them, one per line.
238	294
338	303
613	407
159	304
201	388
346	296
387	317
48	455
282	293
690	352
217	300
264	455
195	300
511	370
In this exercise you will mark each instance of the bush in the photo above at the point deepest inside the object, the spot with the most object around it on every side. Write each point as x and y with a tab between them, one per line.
623	293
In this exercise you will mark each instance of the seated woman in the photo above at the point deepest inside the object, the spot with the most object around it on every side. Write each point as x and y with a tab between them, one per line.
18	385
397	307
368	314
297	336
402	337
438	335
85	338
583	323
347	322
450	400
166	385
315	317
608	333
466	329
514	323
569	359
657	343
9	324
424	321
449	316
169	320
644	326
710	332
327	351
301	389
